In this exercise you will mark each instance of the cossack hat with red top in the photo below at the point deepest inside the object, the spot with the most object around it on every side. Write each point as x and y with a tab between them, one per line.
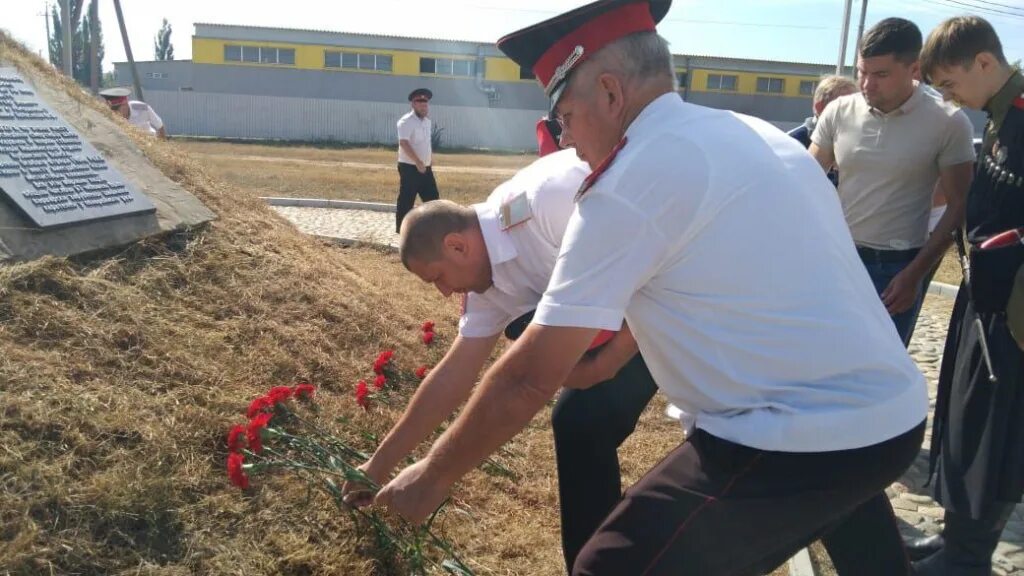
554	48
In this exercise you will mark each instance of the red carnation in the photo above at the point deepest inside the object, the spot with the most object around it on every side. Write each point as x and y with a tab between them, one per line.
379	381
235	472
421	372
304	390
428	326
428	337
361	393
258	405
235	436
388	354
382	360
252	433
279	394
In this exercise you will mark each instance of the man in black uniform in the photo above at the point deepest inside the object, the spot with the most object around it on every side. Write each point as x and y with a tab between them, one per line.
977	452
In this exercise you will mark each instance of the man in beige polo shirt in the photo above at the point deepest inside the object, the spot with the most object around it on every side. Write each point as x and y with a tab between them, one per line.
891	144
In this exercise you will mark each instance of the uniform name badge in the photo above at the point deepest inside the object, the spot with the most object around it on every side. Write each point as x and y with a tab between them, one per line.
515	211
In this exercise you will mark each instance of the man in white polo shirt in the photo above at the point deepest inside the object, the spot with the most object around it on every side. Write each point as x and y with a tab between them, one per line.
721	242
415	174
500	255
892	142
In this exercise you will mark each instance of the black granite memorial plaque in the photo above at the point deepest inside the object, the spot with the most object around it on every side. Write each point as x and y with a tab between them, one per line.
48	171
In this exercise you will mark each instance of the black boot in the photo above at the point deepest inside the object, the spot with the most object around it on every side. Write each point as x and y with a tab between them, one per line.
921	548
969	545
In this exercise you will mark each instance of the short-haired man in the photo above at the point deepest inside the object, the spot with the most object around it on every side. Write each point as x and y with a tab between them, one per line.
829	88
891	143
694	227
138	114
415	173
500	255
978	424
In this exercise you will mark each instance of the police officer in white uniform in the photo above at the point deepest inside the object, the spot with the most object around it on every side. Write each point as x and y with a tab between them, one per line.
722	243
500	254
138	114
415	155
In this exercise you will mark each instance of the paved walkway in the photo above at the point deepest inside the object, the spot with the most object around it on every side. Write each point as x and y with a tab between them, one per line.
343	224
918	513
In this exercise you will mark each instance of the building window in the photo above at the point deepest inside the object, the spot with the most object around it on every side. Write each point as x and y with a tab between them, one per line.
157	75
682	77
722	82
807	87
259	54
447	67
767	85
357	61
526	74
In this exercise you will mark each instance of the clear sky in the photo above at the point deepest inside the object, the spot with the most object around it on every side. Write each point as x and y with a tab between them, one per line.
790	30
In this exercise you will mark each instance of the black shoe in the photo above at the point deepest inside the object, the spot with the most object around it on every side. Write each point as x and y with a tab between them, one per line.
921	548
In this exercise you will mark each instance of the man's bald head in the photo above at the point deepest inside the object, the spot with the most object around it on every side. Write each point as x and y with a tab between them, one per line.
426	226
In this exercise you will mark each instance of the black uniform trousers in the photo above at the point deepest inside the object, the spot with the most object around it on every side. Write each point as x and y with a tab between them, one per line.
411	184
589	426
717	508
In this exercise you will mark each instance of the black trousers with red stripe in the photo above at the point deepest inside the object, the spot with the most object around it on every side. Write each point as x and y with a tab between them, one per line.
716	508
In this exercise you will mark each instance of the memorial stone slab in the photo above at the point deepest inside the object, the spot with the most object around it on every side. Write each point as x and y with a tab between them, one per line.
53	175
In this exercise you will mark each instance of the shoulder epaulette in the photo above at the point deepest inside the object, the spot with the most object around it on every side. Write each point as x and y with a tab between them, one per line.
593	176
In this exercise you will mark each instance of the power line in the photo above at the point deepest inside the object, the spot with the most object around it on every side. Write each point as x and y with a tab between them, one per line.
1010	6
960	5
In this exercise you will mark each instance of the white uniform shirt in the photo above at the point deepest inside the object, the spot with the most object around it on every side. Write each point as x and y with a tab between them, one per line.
417	131
890	162
142	116
722	243
523	256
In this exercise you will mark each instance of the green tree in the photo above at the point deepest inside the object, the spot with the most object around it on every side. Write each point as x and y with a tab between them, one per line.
85	33
162	47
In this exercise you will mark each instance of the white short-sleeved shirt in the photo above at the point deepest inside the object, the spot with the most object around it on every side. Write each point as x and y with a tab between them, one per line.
142	116
523	256
890	163
722	243
417	131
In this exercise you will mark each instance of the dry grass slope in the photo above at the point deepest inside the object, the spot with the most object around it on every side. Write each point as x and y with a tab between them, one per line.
120	373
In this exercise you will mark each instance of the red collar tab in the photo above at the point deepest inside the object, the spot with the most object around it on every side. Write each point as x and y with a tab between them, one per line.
1019	102
547	143
593	176
554	65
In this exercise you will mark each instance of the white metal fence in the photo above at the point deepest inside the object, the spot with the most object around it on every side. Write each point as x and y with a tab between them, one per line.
272	117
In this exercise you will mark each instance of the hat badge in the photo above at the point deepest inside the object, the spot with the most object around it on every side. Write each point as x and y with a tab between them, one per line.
563	69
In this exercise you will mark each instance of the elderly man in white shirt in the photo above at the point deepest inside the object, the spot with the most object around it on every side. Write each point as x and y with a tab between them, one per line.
138	114
721	242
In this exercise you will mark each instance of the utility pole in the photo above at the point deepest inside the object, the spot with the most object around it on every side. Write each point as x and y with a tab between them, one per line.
94	47
128	50
65	17
860	29
844	37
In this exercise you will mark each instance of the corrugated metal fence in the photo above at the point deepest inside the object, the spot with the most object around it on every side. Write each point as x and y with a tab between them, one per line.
309	119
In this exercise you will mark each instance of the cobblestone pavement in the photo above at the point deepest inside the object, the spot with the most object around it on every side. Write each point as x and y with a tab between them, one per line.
357	225
918	513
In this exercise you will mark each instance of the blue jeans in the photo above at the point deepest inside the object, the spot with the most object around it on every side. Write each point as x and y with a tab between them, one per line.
882	273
